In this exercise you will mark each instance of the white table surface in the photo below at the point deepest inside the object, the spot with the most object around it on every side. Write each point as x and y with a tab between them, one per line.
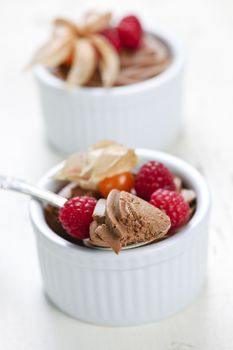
27	321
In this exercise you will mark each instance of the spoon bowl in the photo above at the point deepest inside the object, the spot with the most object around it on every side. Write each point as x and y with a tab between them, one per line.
87	243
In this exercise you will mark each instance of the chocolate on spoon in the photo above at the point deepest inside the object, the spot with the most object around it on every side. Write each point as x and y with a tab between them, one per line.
115	232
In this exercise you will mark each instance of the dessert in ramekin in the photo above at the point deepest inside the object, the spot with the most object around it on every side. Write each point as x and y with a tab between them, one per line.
138	285
141	87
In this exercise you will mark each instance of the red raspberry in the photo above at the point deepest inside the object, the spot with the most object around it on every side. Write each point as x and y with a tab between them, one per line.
173	204
130	32
112	35
76	216
152	176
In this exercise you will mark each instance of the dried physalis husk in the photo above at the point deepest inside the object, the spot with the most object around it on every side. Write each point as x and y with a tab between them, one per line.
54	52
73	166
104	159
87	48
59	48
64	24
109	62
84	63
95	22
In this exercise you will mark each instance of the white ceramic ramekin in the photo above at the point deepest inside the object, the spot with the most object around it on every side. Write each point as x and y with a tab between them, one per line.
138	286
146	114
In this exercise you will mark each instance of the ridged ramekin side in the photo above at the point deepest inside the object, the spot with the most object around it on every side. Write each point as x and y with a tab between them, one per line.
150	118
127	296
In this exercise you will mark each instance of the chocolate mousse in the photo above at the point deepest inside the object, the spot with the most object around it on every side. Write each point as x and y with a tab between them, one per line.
125	219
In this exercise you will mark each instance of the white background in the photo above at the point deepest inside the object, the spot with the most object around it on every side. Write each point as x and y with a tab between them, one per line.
27	321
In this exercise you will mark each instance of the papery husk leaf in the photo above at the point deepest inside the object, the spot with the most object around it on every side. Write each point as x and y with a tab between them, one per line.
96	22
54	53
84	63
109	63
66	25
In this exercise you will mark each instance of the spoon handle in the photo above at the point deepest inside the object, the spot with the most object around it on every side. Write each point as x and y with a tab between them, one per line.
10	183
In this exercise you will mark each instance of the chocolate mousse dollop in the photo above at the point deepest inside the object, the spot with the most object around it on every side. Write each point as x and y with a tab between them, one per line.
125	219
151	59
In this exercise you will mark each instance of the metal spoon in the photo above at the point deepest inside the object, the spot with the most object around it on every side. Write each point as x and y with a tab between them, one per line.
17	185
